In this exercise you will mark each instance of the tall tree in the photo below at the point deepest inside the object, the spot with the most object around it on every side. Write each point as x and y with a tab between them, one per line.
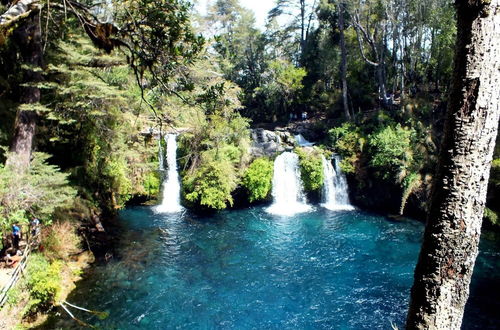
303	13
156	36
374	34
343	59
451	239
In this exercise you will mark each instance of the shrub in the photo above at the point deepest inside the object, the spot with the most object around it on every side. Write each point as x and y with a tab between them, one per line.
258	178
116	171
348	141
211	185
391	151
311	169
43	281
60	240
152	184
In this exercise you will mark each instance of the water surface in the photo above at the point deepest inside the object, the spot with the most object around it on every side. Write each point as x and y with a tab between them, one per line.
248	269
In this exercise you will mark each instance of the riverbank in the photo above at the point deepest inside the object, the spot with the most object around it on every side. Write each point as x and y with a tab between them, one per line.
15	313
68	249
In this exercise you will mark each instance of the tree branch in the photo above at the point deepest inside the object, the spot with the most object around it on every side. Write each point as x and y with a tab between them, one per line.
21	10
358	28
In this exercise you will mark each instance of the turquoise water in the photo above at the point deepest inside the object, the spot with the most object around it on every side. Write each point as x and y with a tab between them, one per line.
248	269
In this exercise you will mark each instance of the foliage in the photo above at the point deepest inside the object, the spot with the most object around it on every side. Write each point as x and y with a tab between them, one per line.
410	183
495	173
491	216
311	169
102	106
152	184
282	82
258	178
211	185
43	281
214	150
60	240
391	150
159	36
39	192
349	142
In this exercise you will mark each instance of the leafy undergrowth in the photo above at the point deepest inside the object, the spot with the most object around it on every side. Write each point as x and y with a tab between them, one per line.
49	277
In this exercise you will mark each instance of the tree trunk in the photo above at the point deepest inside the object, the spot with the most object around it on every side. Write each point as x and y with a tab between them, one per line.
302	27
28	39
343	61
450	246
381	84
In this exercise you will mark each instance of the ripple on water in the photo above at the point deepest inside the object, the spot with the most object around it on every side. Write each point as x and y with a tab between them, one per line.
248	269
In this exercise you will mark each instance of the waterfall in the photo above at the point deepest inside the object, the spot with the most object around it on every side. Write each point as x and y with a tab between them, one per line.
288	194
161	157
171	186
302	142
335	189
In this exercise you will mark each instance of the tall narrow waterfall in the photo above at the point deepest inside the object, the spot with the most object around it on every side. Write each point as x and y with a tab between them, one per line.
171	186
335	189
161	157
287	191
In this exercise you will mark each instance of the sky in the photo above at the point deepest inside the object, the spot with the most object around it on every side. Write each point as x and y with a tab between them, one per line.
259	7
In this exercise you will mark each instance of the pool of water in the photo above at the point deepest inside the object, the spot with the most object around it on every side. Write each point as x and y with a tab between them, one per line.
247	269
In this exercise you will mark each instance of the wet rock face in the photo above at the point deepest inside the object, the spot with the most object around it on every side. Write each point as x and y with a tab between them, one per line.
265	143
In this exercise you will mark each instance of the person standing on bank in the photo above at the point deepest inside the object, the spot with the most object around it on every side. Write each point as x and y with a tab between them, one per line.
16	236
35	226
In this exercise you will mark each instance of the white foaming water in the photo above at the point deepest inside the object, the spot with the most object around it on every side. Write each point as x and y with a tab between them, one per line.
171	186
288	194
302	142
161	157
335	189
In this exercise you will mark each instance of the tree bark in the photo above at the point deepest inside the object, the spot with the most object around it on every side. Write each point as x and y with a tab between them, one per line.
451	238
343	61
302	26
29	41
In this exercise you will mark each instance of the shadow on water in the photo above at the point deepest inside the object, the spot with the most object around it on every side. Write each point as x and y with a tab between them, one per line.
246	269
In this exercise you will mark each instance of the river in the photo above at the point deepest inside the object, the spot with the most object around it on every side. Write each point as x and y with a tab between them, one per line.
248	269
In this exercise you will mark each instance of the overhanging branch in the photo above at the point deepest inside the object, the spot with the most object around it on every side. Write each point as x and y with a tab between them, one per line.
16	13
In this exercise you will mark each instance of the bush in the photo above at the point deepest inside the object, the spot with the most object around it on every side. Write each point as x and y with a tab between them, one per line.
60	241
311	169
391	151
152	184
258	178
211	185
43	281
348	141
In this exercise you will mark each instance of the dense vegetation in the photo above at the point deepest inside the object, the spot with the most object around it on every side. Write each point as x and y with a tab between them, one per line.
91	102
257	179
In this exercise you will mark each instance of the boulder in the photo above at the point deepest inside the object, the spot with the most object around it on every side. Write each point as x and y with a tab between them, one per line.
265	143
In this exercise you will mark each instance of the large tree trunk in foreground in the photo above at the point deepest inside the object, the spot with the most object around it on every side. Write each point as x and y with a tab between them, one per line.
28	38
451	238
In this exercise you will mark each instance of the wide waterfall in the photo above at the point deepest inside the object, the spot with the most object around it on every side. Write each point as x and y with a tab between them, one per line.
288	193
335	189
171	186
